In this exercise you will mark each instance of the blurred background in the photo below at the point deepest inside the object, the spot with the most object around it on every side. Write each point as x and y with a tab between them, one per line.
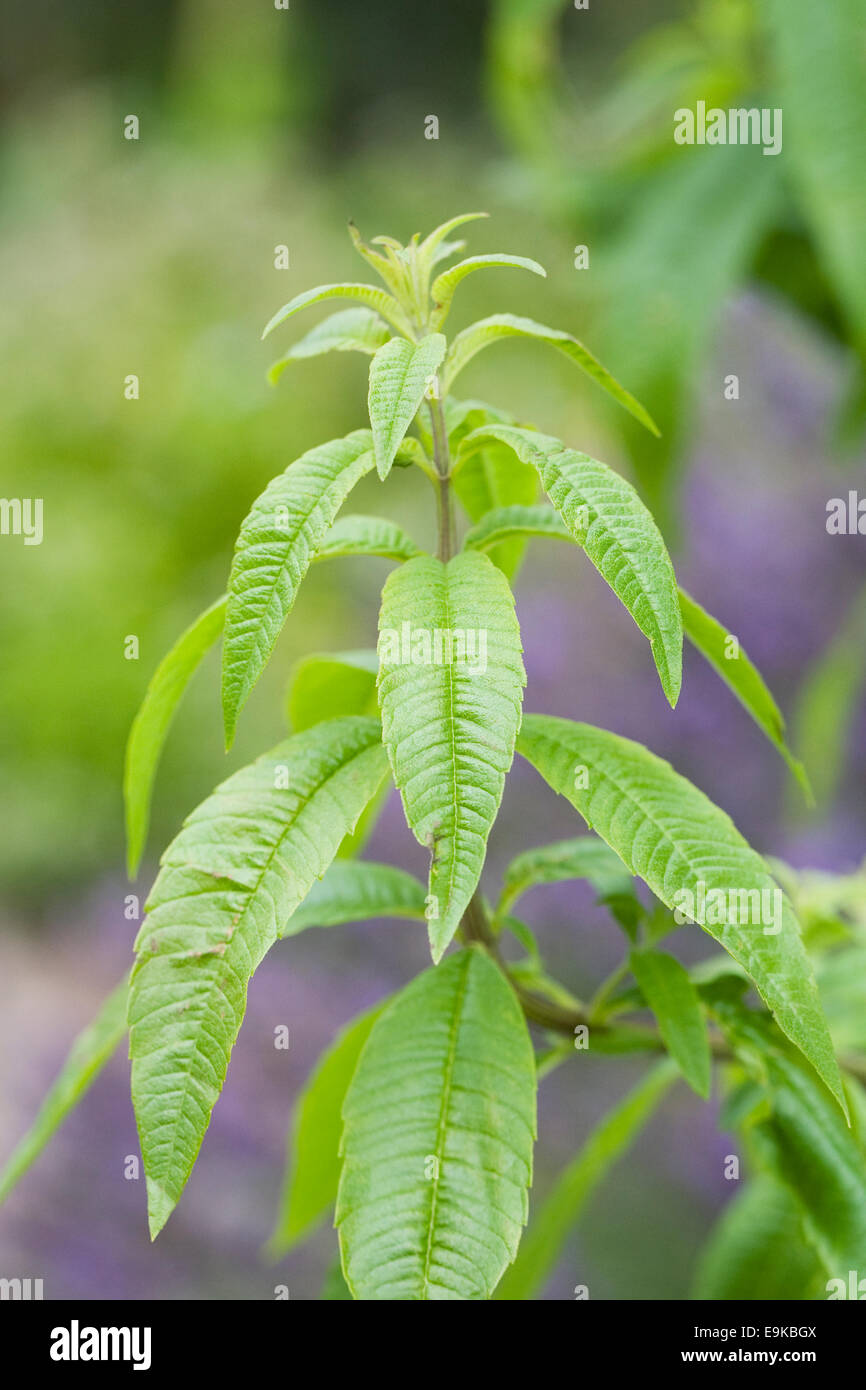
155	257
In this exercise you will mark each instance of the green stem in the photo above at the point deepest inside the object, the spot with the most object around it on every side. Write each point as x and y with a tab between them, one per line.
442	460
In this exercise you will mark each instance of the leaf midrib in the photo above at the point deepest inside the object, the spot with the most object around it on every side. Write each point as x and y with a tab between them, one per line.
443	1116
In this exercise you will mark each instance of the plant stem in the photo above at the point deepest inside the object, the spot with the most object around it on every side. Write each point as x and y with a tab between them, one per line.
442	459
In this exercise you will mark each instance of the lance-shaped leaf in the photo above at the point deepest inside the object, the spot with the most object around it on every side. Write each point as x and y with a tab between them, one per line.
400	373
492	478
607	518
693	857
439	1123
356	891
326	685
549	1228
442	291
586	857
744	679
367	535
508	523
372	296
277	541
153	721
313	1160
351	330
450	690
229	881
491	330
667	989
87	1056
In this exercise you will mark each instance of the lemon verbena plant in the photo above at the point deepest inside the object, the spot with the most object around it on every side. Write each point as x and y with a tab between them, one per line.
419	1124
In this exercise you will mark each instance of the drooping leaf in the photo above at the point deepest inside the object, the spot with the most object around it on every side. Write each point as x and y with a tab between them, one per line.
666	987
379	300
439	1123
548	1230
747	683
586	857
399	376
491	330
350	330
756	1250
229	881
88	1055
367	535
280	536
450	690
326	685
694	859
313	1159
153	721
356	891
442	290
507	523
609	521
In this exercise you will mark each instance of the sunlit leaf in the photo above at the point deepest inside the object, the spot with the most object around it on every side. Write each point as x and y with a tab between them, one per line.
351	330
380	301
443	287
400	375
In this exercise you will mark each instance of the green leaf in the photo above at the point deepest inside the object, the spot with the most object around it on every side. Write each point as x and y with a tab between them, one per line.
744	679
506	523
439	1123
328	684
828	702
450	690
379	300
666	987
399	376
313	1159
278	539
442	291
153	721
607	518
544	1241
430	249
229	881
817	1156
367	535
351	330
356	891
87	1056
491	479
756	1249
490	330
686	849
586	857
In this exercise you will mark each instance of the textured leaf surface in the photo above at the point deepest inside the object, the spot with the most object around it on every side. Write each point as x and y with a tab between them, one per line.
229	881
491	330
399	375
329	684
437	1144
444	285
372	296
355	891
313	1160
367	535
744	679
607	518
669	833
507	523
351	330
87	1056
277	541
153	721
666	987
450	725
549	1228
